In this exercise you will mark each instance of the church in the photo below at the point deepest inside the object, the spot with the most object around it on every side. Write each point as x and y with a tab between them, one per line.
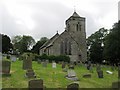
71	42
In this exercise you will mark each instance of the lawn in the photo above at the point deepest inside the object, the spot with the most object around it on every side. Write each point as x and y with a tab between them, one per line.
54	77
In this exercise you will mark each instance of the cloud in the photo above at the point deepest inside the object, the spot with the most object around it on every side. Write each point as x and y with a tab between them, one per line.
40	18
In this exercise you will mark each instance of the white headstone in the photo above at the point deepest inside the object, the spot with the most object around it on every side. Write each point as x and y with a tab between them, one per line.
53	65
109	72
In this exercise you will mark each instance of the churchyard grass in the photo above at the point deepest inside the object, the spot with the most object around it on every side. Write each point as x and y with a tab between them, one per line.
55	77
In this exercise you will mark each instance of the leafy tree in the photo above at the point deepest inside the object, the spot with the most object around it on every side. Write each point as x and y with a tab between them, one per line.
95	44
6	43
37	46
112	45
23	43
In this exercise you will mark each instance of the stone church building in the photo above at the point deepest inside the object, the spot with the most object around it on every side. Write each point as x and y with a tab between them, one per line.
71	42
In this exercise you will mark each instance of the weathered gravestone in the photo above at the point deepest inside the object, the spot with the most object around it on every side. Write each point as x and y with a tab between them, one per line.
44	64
71	65
13	58
88	65
39	61
63	65
30	74
72	75
35	84
73	86
116	84
87	75
99	71
91	68
100	74
6	65
27	62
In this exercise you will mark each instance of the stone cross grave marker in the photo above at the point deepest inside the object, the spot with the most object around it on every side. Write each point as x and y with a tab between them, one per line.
6	65
30	74
73	86
27	63
35	84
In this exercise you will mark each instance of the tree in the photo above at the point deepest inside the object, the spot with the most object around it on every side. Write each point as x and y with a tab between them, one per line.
6	43
37	46
23	43
95	44
112	45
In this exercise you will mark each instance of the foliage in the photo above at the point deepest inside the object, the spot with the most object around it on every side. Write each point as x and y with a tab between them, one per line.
95	44
37	46
6	43
23	43
112	45
54	58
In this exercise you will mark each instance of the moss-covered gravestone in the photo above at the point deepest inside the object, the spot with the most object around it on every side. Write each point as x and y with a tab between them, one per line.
73	86
27	62
6	65
30	74
35	84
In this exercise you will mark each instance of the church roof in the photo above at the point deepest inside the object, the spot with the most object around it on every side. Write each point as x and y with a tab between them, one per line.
49	42
75	14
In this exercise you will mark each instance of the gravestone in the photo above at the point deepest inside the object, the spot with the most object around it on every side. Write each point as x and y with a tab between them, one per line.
63	65
35	84
71	66
87	75
54	65
91	69
116	84
6	65
13	58
73	86
65	69
27	62
100	74
47	61
39	61
30	74
98	68
88	65
72	75
44	64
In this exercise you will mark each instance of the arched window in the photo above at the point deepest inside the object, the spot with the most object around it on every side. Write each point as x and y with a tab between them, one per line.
78	27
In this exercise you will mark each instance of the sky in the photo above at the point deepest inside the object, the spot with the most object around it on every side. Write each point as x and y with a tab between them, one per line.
43	18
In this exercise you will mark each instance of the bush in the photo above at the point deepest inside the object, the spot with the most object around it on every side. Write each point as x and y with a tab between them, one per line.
54	58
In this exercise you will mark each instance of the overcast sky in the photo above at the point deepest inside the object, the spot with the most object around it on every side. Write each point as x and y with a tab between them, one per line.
43	18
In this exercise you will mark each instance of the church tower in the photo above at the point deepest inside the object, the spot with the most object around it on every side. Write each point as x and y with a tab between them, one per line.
75	26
